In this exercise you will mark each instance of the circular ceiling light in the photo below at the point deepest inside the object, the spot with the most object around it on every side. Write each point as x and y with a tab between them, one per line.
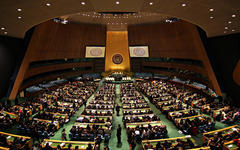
211	17
233	30
19	9
5	32
19	17
226	28
211	9
233	16
83	3
183	5
229	22
151	3
117	2
48	4
2	28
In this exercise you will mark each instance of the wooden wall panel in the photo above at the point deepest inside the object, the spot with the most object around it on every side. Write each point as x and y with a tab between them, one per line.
174	40
164	39
43	69
193	68
51	77
179	75
52	40
57	41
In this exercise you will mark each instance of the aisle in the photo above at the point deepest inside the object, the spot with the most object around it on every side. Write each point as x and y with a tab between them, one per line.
118	120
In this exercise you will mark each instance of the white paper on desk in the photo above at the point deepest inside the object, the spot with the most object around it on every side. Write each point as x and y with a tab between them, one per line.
9	137
62	144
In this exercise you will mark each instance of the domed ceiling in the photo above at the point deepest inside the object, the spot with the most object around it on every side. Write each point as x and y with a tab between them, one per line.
216	17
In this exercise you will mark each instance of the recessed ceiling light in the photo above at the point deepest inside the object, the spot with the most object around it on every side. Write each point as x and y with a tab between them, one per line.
211	9
226	28
151	3
19	17
48	4
225	32
229	22
5	32
233	30
2	28
19	9
211	17
233	16
183	5
83	3
117	2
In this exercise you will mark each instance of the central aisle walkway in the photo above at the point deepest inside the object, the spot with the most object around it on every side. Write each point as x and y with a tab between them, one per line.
118	120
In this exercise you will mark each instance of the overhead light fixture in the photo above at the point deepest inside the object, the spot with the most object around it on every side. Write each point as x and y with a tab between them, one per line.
19	17
151	3
83	3
211	9
233	16
211	17
229	22
225	32
5	32
226	28
117	2
48	4
183	5
2	28
233	30
19	9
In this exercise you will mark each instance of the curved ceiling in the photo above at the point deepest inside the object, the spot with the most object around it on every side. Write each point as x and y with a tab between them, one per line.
216	17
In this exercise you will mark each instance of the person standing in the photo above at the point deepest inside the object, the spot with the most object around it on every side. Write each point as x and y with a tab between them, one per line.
118	109
119	133
64	137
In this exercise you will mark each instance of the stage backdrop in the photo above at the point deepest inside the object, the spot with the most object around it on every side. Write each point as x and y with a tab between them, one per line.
117	53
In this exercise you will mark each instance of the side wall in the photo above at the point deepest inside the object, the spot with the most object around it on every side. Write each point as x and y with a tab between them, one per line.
10	52
179	40
51	41
224	53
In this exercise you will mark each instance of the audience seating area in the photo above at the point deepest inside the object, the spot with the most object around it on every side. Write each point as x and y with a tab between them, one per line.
191	112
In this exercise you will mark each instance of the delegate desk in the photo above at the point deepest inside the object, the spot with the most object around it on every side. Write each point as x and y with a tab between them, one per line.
133	106
173	141
64	144
104	118
139	116
137	111
172	114
56	123
224	131
12	115
58	115
145	124
100	125
11	137
177	121
99	111
230	146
